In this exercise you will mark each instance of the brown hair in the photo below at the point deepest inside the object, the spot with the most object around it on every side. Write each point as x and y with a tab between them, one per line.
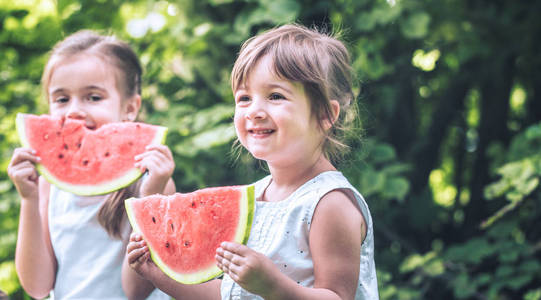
108	48
317	60
128	76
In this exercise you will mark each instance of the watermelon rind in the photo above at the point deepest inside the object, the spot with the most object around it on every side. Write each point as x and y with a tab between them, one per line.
88	190
247	204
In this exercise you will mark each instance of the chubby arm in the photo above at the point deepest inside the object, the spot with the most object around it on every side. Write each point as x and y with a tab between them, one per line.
335	243
34	257
338	229
138	259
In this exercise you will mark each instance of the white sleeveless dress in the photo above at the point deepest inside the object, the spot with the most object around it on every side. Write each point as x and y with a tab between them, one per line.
89	260
281	229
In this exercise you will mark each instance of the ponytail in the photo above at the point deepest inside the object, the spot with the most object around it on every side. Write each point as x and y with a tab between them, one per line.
112	213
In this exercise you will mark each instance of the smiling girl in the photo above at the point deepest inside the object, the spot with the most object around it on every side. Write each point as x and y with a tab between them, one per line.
73	246
312	236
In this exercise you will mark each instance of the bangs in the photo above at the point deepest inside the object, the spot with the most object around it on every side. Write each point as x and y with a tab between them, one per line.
295	57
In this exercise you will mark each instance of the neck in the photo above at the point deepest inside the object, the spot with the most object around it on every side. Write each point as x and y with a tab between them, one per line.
286	179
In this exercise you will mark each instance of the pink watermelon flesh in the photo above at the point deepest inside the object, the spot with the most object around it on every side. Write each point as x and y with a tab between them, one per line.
86	161
183	231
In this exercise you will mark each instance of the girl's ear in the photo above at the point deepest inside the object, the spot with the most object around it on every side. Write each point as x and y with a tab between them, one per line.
131	108
335	110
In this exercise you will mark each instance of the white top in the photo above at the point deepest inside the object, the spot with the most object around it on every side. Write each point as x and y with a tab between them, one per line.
89	260
281	229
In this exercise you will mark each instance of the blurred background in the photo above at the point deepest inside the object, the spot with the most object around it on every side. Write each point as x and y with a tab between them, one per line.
449	158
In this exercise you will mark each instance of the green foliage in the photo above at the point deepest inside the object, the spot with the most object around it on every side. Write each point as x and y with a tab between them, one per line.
377	173
448	91
519	177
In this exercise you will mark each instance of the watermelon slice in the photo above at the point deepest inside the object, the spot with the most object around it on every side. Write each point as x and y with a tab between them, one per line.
183	231
84	161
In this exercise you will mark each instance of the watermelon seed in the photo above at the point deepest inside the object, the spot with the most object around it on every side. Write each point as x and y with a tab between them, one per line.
154	220
66	146
107	154
58	133
85	162
172	227
166	244
137	126
60	155
78	145
187	243
193	204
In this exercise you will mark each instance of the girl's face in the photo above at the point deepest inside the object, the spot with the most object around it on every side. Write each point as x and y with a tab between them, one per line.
273	119
84	87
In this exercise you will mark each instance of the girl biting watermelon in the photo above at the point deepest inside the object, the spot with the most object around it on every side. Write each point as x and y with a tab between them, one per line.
312	235
73	246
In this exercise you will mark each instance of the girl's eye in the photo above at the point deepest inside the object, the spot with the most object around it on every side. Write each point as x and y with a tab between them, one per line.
276	96
62	99
95	97
243	99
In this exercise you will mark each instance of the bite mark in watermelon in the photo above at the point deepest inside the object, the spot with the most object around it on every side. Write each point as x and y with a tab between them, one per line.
183	231
84	161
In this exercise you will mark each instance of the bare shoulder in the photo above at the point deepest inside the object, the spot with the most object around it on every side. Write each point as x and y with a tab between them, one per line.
340	210
336	235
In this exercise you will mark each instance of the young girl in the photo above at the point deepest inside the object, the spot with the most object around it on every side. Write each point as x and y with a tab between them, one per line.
312	235
69	245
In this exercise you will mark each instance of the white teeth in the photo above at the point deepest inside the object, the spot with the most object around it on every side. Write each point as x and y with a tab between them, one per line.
262	131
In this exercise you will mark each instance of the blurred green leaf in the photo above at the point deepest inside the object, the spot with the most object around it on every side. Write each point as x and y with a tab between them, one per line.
416	25
396	188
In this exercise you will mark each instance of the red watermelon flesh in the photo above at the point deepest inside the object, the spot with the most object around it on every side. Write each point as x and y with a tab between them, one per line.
85	161
183	231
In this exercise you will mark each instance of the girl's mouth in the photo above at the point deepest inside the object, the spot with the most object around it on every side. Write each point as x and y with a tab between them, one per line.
262	131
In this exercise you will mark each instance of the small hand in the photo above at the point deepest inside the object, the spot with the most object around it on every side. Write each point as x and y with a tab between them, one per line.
22	171
139	255
252	270
158	161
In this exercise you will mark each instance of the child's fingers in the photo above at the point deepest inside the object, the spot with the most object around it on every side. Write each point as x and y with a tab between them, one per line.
234	276
233	258
162	149
146	164
138	255
23	154
135	237
156	166
230	269
24	170
132	246
235	248
147	160
228	259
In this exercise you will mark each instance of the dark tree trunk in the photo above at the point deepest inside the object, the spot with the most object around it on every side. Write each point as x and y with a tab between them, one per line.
427	154
403	126
495	92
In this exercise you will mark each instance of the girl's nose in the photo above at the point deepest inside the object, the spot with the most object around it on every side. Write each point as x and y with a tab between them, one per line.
256	111
76	111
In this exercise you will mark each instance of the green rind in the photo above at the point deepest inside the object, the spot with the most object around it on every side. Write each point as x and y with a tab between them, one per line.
247	204
88	190
19	124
